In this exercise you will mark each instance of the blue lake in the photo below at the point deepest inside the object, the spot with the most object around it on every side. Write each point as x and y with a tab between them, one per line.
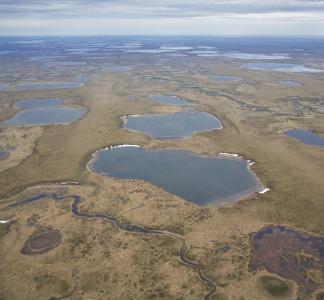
196	178
290	83
3	154
45	116
173	100
224	78
176	125
281	67
305	136
33	103
48	85
256	56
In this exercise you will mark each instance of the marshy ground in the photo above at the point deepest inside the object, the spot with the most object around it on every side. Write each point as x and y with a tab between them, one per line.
85	260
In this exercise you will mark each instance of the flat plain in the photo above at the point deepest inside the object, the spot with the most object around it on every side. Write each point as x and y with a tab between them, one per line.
95	259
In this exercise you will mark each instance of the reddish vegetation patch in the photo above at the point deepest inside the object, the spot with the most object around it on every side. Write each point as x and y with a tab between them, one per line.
41	242
288	253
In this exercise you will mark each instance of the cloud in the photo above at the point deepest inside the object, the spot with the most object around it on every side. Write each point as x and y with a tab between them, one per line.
119	9
276	17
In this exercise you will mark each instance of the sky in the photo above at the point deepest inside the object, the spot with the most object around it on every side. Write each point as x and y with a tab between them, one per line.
162	17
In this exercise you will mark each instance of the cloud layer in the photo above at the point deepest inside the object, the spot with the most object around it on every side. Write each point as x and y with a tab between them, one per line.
119	9
41	16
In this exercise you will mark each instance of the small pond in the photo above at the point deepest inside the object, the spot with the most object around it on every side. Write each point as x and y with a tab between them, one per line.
305	136
33	103
224	78
290	83
173	100
3	154
199	179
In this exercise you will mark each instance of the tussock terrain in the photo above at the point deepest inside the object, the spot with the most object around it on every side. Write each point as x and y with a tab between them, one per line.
96	260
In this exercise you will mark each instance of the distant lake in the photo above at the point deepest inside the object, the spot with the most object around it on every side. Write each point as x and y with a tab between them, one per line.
305	136
48	85
196	178
224	78
173	100
45	116
33	103
290	83
63	64
256	56
205	53
279	67
177	125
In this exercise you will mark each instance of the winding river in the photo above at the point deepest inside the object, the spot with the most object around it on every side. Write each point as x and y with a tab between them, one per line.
183	252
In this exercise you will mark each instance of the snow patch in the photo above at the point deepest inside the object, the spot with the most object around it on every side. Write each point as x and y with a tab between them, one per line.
122	146
264	191
4	222
229	154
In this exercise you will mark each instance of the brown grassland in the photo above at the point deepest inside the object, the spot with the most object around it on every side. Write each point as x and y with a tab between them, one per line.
97	261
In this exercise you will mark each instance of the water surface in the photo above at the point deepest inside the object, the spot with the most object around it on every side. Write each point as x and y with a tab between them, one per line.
48	85
280	67
224	78
2	86
256	56
33	103
198	179
45	116
176	125
290	83
305	136
173	100
3	154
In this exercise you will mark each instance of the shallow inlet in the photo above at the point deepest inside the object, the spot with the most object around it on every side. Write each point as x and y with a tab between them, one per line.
173	100
305	136
45	116
171	126
199	179
34	103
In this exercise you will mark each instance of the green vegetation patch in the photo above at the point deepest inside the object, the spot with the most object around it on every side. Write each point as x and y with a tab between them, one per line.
274	286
